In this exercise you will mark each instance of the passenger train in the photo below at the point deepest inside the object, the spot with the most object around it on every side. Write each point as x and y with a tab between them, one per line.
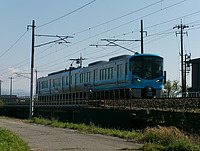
136	76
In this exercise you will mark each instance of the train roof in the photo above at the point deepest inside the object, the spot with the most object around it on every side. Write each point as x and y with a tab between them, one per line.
62	71
100	62
95	63
119	57
146	54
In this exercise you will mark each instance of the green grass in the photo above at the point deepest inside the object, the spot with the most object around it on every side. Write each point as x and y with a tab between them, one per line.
11	142
159	138
91	128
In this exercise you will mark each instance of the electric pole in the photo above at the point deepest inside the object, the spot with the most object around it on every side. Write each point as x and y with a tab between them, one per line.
142	37
183	76
32	68
142	48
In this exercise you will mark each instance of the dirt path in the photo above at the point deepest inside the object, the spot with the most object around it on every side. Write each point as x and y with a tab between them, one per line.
43	138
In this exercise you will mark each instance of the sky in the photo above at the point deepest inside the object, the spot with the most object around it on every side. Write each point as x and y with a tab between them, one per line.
89	21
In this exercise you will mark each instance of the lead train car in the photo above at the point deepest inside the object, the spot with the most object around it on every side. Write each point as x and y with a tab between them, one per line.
136	76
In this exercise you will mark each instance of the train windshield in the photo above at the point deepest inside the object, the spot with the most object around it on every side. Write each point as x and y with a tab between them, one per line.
146	67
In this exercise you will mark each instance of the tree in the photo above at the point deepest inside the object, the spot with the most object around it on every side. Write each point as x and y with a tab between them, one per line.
168	87
173	88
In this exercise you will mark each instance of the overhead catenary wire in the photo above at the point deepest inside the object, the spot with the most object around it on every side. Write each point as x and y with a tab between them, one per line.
13	44
140	9
54	20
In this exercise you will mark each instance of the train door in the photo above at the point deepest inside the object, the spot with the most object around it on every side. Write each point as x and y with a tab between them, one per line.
50	85
76	81
119	74
126	71
94	78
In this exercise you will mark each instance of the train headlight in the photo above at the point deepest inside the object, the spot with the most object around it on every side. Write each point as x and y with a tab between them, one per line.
138	80
159	80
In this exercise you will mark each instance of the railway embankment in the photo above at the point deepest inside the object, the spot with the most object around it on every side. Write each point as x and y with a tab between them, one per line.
184	113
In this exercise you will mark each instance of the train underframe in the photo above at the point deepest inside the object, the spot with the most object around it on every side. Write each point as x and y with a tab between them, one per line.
102	95
147	92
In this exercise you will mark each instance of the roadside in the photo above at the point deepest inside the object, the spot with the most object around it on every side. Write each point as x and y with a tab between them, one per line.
44	138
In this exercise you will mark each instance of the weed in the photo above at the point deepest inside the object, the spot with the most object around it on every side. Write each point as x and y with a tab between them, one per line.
167	139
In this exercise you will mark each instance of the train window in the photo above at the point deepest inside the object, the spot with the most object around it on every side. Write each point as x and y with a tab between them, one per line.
71	79
85	77
63	81
126	68
100	75
67	81
147	67
81	78
119	70
95	75
56	82
44	84
88	76
106	73
111	73
76	78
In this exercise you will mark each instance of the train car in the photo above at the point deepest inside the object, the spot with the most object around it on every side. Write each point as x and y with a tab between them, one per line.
136	76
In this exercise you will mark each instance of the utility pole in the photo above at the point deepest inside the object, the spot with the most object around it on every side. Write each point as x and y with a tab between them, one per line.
142	37
142	48
182	27
32	68
11	78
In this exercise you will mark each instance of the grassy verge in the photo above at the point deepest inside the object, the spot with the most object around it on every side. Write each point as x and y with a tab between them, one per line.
155	139
11	142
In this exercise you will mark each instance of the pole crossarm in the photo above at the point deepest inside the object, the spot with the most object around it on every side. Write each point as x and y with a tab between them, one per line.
61	38
112	42
21	75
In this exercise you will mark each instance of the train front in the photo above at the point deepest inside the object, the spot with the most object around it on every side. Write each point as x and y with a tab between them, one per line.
146	75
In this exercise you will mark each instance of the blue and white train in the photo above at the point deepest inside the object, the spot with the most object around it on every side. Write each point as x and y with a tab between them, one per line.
137	76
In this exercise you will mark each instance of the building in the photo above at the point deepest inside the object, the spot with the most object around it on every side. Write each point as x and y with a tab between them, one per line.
195	75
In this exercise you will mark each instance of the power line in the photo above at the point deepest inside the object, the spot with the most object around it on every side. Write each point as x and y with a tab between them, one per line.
178	18
119	17
67	14
14	44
